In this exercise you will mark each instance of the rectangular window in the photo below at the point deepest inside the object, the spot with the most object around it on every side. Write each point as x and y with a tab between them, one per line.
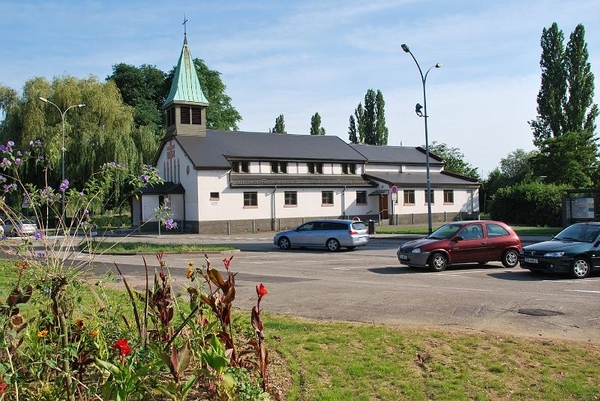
279	167
240	167
348	168
250	199
185	115
361	197
291	198
196	115
327	197
448	196
315	168
214	196
432	197
409	196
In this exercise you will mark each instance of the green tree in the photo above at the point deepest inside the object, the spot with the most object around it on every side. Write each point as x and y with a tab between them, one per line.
352	132
369	120
8	98
144	88
454	160
101	132
569	159
279	127
514	169
516	166
566	108
553	89
580	111
381	130
315	125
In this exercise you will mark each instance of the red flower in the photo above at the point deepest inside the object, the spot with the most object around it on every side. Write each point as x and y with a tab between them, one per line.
261	291
3	386
227	262
122	345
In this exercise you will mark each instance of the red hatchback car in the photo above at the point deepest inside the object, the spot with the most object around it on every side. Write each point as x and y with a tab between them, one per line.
479	241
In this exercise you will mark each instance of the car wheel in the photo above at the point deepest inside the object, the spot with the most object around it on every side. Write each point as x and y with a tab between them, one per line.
284	243
510	258
580	268
333	245
438	262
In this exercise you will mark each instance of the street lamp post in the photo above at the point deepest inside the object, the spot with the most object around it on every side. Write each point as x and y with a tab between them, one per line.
423	114
63	149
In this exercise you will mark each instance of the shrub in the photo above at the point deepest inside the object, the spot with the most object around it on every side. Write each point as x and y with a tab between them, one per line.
533	204
63	337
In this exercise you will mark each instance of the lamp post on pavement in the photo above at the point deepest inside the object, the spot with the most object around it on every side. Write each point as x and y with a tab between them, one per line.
63	149
423	114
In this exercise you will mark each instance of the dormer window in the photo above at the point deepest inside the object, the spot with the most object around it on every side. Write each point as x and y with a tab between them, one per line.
279	167
240	167
315	168
348	168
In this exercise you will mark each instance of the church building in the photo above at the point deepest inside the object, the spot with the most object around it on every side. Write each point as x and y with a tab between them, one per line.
230	182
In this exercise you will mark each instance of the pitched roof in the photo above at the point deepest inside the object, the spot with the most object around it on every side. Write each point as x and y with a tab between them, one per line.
217	147
419	179
186	86
396	154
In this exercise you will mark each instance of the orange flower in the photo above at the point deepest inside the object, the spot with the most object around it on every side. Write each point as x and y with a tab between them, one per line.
42	334
94	333
190	273
122	345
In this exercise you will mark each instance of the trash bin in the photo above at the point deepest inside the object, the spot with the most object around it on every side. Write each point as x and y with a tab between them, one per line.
371	226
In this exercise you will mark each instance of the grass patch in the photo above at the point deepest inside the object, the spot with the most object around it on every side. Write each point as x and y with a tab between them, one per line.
323	360
143	247
343	361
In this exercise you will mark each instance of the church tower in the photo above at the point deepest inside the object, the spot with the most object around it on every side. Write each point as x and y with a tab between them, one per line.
186	104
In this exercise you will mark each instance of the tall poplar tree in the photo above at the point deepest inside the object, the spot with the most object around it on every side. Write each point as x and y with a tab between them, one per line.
352	132
564	130
368	123
315	125
279	127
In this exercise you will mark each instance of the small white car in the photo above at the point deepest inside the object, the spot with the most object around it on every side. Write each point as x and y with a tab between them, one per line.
19	228
331	234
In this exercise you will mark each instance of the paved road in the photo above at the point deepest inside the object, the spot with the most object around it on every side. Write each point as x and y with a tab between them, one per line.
369	285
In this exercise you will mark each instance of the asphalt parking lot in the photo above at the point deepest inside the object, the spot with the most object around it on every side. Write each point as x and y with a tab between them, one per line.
368	285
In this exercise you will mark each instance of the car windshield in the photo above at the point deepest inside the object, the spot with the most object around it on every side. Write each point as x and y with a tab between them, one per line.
579	233
445	231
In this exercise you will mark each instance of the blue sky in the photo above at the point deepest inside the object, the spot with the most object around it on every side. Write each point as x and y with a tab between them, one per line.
300	57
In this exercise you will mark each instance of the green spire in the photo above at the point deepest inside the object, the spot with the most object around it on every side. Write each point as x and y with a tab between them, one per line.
186	86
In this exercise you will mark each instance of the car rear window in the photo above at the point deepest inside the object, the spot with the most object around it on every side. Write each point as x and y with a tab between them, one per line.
359	225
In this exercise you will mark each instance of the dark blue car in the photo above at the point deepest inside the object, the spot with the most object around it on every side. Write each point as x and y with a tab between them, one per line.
575	250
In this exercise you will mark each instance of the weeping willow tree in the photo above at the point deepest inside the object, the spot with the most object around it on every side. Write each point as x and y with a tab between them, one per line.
100	132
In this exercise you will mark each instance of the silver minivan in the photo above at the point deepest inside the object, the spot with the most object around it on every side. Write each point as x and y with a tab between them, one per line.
331	234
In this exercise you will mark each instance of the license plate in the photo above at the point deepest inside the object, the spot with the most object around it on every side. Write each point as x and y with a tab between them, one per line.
530	260
403	257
